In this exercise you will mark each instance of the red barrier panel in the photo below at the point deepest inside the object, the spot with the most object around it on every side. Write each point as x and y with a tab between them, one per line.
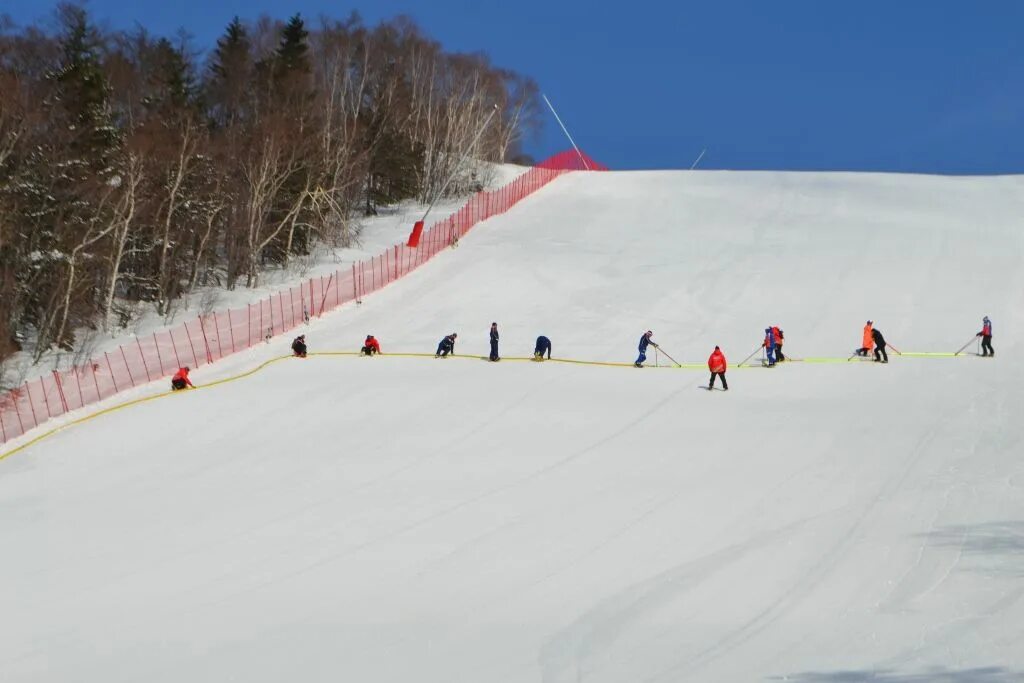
211	337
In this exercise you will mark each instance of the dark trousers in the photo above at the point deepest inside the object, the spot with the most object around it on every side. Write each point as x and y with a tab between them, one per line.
494	349
711	384
778	353
443	349
880	353
368	351
986	345
178	384
862	351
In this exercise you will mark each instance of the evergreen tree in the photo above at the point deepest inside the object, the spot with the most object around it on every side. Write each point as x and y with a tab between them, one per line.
292	52
230	74
82	90
175	77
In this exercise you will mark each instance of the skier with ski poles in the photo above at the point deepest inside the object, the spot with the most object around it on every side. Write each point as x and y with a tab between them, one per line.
299	346
542	346
717	365
645	341
986	337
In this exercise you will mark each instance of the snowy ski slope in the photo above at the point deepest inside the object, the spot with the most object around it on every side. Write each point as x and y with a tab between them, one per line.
411	520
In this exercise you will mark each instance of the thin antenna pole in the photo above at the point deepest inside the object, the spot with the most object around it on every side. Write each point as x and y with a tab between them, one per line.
697	161
565	130
469	149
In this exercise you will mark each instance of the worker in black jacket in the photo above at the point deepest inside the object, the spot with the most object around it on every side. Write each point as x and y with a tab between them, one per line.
494	342
880	355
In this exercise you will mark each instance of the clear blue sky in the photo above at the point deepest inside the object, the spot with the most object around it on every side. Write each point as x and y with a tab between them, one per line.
931	86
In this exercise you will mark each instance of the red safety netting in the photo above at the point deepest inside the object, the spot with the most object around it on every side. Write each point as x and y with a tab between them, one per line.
209	338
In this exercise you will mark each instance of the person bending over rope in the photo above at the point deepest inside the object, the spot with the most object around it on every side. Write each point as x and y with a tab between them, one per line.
370	346
446	346
180	380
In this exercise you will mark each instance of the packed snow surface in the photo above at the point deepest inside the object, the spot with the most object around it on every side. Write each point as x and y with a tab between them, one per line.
418	520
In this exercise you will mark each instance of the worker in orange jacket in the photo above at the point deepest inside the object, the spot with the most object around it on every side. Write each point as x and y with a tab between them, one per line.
867	341
717	366
181	380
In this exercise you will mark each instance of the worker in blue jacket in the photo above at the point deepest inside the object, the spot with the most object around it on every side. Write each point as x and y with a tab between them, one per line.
542	346
769	345
645	341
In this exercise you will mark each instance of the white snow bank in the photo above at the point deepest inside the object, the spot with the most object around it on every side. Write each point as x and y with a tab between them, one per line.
395	519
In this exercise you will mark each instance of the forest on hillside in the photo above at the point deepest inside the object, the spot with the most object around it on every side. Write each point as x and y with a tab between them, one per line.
135	168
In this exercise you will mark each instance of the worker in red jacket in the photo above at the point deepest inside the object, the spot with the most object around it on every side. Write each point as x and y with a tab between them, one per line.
181	380
370	346
717	366
779	340
986	337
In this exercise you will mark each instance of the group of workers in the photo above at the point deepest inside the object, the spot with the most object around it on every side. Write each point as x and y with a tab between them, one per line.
772	345
873	339
447	346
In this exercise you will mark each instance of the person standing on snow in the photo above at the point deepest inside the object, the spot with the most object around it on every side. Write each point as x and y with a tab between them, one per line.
880	355
867	342
181	380
778	344
645	340
446	346
543	346
370	346
717	366
494	342
299	346
986	337
769	346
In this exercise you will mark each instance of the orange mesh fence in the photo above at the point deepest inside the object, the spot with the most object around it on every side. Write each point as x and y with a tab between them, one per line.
208	338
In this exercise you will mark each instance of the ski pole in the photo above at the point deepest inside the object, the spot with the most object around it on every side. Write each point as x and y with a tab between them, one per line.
668	356
965	346
750	356
898	352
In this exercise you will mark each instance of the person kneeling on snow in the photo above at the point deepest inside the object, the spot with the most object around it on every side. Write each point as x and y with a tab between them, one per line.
543	346
717	366
446	346
299	346
370	346
181	380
